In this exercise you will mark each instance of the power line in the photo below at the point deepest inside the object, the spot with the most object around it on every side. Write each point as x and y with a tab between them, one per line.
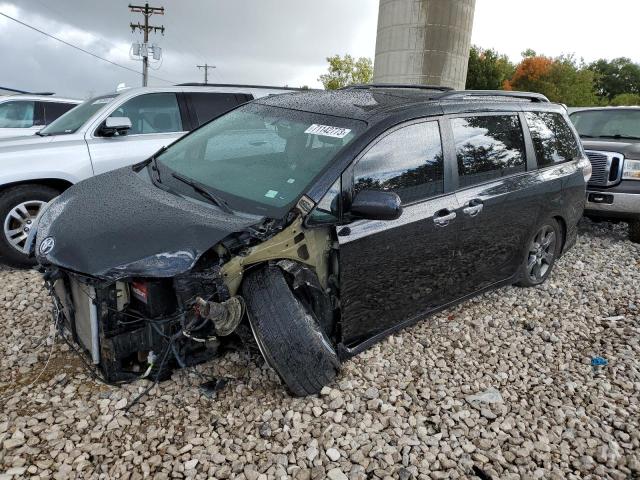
78	48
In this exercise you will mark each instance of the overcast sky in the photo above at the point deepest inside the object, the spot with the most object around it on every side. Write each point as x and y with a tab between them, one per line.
274	42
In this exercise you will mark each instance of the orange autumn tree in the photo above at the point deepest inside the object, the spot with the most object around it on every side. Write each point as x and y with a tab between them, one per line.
532	75
562	79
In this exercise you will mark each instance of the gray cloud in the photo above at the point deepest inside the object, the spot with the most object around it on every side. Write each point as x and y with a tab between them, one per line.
276	42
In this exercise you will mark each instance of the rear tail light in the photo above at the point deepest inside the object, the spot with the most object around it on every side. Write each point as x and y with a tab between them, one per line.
585	165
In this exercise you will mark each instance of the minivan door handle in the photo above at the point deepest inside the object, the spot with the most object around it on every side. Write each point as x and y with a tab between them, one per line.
442	218
473	208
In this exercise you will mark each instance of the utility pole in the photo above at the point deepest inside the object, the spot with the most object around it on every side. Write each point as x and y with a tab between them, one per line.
206	71
147	11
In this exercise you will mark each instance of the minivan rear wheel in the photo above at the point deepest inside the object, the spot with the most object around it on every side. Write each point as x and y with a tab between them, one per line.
19	207
540	255
287	332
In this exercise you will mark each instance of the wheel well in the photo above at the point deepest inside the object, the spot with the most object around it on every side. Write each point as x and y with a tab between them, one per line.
563	226
57	183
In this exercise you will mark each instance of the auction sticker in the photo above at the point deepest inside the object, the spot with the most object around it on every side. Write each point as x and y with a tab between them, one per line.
327	131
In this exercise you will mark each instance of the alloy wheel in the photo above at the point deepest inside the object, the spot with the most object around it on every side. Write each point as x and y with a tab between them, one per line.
542	251
19	221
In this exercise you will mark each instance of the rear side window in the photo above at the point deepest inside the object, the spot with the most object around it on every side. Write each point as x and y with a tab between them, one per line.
408	161
553	140
54	110
151	113
18	114
488	147
208	106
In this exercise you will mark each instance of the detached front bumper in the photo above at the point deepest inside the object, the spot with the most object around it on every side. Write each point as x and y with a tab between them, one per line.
619	202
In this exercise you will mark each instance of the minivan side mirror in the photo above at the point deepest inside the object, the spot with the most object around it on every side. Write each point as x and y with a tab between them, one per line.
115	125
376	205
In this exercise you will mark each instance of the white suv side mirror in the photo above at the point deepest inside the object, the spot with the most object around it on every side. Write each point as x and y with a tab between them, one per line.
113	125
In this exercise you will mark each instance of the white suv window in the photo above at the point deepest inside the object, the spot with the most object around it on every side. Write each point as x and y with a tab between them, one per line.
17	114
151	113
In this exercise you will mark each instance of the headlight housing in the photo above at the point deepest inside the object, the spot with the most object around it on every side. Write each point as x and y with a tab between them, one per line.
631	170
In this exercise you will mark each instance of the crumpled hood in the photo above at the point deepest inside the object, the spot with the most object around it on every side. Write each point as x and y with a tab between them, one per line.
120	225
628	149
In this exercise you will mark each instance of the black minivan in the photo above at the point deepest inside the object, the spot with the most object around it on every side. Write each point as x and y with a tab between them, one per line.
315	223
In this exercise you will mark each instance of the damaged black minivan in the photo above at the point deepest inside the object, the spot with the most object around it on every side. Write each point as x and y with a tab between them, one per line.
315	223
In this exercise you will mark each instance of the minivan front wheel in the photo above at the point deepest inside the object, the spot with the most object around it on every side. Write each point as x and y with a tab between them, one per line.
287	332
541	253
19	207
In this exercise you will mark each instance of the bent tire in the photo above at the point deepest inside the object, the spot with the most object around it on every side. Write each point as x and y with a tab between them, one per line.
540	254
288	335
19	206
634	231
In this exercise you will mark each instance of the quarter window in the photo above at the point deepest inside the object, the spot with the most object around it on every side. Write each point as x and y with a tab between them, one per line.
553	140
151	113
408	161
210	105
488	147
53	111
16	114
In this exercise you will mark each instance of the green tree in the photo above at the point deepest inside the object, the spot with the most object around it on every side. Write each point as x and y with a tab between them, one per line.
572	83
615	77
488	69
344	71
625	100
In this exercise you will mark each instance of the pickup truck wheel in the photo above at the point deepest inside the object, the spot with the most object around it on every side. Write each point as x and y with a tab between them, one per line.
634	231
542	250
288	334
19	207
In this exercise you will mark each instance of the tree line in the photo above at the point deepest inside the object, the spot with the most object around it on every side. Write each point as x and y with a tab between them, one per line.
564	79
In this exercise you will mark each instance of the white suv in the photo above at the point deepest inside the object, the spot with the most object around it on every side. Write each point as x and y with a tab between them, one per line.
22	115
101	134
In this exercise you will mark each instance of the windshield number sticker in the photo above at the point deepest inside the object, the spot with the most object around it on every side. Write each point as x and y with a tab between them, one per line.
271	194
327	131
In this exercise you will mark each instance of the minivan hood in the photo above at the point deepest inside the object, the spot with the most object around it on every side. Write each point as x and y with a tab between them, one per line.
625	147
119	224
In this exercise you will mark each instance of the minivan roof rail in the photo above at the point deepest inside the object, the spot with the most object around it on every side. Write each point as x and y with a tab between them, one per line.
197	84
361	86
531	96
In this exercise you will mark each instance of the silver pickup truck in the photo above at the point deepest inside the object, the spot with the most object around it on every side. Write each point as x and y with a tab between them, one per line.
611	138
101	134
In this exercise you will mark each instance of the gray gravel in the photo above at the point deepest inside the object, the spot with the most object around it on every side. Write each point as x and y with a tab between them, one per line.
501	384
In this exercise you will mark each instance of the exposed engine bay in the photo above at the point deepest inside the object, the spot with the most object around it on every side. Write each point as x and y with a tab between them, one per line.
136	327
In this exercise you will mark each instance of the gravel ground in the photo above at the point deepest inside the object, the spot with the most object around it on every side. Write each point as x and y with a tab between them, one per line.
500	387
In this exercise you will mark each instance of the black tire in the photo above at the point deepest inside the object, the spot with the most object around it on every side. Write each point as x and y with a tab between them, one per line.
9	199
634	231
538	262
289	336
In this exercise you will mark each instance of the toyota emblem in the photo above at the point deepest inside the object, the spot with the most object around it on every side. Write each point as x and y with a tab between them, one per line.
47	245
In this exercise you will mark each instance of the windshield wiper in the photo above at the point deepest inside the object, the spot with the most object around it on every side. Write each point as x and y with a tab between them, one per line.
40	134
582	135
618	136
153	158
204	191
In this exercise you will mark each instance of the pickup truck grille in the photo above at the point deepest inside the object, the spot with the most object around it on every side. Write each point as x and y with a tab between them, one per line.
607	168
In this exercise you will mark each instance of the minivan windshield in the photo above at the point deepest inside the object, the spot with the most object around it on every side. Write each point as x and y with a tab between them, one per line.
75	118
608	123
257	158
